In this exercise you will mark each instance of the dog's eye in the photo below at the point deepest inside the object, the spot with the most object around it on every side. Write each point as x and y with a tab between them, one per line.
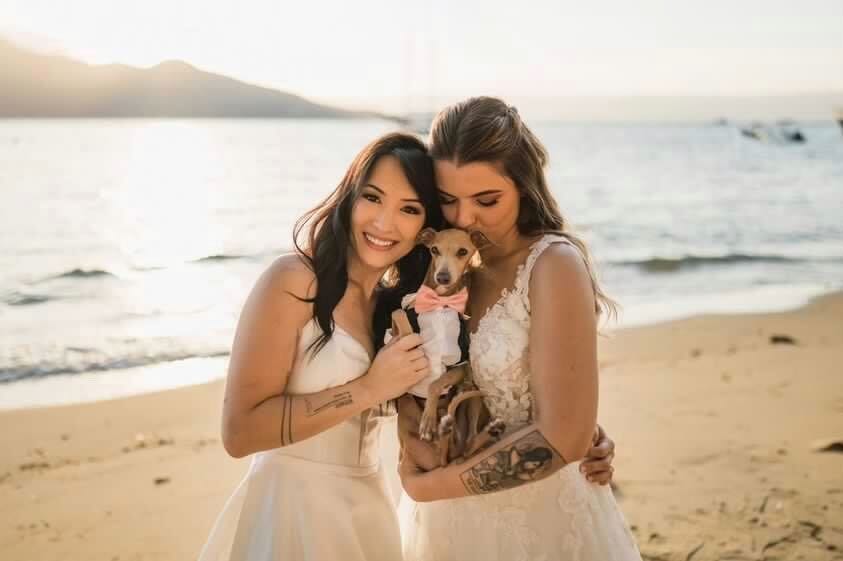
434	250
462	252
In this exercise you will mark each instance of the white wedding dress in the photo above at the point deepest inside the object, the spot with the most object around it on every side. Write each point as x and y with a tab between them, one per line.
324	498
560	518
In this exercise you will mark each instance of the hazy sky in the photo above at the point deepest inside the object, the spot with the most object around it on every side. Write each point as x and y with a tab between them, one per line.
366	50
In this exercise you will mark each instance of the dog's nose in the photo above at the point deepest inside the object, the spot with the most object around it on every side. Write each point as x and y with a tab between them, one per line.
443	277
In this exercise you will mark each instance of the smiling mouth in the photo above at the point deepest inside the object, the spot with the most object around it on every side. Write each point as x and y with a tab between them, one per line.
378	243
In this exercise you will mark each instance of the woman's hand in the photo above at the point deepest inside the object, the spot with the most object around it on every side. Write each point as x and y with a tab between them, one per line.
422	454
397	367
413	476
597	465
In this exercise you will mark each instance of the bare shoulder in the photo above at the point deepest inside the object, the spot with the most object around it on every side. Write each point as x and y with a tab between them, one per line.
561	270
286	282
292	274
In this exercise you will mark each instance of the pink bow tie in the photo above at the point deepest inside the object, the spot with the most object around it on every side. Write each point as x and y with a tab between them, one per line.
427	300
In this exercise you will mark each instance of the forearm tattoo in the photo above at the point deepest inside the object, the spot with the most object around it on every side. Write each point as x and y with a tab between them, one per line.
336	401
286	420
526	460
311	407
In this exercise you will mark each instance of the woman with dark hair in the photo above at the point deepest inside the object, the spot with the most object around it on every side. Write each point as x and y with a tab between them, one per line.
533	310
305	387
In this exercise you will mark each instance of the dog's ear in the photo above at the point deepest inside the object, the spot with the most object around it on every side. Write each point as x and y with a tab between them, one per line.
426	237
480	240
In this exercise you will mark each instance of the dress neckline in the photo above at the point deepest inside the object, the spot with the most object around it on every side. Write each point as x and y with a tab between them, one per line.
507	291
345	333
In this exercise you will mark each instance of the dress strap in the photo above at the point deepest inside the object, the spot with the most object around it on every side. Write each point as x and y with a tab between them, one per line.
525	270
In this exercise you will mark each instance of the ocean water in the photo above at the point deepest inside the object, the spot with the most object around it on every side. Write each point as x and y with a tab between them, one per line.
128	246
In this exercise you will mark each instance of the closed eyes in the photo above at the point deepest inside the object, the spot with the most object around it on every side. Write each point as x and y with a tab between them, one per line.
482	202
487	203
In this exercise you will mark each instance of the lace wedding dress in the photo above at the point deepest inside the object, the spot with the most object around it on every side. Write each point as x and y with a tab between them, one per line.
561	518
321	499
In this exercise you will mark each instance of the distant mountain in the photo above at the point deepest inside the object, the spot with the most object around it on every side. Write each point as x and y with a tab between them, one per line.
39	85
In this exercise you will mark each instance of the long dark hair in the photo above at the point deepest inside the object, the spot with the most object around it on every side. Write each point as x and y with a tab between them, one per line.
486	129
328	239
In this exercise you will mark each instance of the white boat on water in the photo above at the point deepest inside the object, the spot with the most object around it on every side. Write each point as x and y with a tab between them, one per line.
783	132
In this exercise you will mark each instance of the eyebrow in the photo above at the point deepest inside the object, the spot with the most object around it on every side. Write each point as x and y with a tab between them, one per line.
480	194
382	192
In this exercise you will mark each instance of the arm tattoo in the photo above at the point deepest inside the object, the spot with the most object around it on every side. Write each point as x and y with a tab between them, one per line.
286	420
526	460
336	401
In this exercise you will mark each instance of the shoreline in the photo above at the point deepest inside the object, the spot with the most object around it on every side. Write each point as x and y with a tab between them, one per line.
93	387
716	426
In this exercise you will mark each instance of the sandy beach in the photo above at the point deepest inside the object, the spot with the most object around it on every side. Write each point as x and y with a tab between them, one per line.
719	421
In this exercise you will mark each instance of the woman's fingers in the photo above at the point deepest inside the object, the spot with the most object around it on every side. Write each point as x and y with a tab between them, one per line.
592	466
598	470
408	342
415	354
602	449
603	477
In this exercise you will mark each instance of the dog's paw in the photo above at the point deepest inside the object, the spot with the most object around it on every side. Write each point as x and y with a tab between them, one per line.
495	428
427	427
446	425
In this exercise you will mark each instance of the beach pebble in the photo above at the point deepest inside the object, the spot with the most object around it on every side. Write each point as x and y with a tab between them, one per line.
782	340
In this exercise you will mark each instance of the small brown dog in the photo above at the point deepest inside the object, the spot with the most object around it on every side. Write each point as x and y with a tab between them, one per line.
453	416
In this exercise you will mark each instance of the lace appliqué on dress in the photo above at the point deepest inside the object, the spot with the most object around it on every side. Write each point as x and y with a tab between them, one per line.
500	346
